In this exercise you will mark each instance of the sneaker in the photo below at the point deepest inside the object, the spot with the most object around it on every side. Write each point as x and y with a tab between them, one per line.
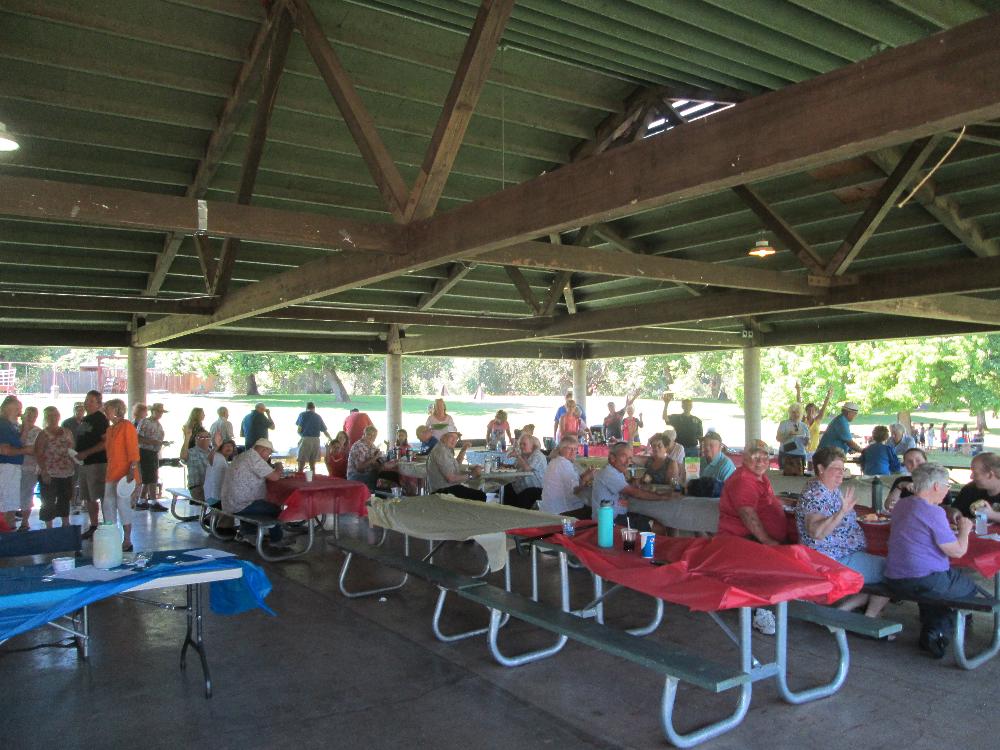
763	621
157	508
88	533
935	643
142	505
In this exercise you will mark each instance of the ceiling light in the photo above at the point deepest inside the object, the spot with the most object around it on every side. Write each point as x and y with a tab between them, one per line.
7	140
761	249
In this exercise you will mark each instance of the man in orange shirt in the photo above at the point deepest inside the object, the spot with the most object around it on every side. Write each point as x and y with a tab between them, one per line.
121	443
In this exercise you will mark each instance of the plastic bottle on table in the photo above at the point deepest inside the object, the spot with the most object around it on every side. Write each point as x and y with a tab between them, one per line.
982	524
606	525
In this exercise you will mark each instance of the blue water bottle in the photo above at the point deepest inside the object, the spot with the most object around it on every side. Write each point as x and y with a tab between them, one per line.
606	525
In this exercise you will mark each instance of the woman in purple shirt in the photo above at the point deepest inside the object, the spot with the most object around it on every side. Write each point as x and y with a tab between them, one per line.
921	546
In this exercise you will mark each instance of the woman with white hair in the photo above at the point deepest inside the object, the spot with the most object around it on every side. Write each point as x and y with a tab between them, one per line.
921	548
675	451
900	439
121	444
29	469
793	438
524	492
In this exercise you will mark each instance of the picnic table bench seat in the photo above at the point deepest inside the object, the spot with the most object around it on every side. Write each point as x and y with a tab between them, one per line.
963	606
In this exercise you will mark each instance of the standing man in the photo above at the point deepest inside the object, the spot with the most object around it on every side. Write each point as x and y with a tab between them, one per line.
562	410
12	453
687	426
610	484
90	450
255	426
613	420
355	425
838	432
221	429
310	425
445	472
150	441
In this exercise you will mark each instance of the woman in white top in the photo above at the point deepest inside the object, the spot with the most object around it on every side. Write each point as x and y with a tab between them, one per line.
793	437
562	485
439	421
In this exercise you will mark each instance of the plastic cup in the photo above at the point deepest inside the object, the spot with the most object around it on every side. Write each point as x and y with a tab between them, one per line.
628	539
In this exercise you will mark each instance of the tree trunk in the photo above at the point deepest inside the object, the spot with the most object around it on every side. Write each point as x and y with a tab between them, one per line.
337	387
251	387
981	422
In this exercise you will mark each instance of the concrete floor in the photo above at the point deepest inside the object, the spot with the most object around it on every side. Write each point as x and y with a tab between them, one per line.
329	672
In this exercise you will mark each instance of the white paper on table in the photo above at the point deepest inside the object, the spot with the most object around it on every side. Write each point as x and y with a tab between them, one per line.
89	574
208	553
994	537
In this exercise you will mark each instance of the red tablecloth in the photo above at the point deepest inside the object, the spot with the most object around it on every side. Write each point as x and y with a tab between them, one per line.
601	451
303	500
718	573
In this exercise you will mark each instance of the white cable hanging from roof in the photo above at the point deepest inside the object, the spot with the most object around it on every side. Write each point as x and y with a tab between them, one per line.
933	170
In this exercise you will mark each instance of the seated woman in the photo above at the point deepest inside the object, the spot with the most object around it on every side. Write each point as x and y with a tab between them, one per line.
659	468
903	486
675	451
827	523
877	457
793	438
364	462
427	440
524	492
336	456
921	547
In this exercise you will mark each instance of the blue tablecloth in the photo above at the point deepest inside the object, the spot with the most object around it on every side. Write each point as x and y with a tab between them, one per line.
30	597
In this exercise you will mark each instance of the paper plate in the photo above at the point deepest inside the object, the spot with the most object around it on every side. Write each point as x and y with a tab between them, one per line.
126	485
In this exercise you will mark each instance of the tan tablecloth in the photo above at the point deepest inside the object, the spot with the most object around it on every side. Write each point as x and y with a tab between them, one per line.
445	517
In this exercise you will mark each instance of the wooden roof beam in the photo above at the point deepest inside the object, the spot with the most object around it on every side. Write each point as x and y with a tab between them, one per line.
593	260
275	66
523	289
959	308
356	116
98	303
467	85
881	203
341	315
218	142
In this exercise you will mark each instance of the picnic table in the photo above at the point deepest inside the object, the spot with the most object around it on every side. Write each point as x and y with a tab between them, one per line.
713	575
302	500
33	596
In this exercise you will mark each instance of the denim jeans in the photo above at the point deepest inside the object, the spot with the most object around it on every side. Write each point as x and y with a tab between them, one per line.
948	584
261	508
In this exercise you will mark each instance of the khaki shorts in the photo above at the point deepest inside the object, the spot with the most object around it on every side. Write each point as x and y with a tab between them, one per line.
92	482
309	449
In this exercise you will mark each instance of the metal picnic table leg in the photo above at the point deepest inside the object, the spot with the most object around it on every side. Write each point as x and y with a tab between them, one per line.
195	623
345	566
595	608
781	660
497	621
439	607
971	662
709	731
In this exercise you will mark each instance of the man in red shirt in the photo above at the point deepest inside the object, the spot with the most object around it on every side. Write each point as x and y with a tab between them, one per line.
748	507
355	425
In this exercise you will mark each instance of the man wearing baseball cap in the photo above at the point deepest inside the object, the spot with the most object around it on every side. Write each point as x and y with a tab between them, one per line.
714	463
838	432
244	490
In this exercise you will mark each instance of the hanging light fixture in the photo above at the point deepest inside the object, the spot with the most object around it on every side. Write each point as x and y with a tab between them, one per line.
7	140
762	248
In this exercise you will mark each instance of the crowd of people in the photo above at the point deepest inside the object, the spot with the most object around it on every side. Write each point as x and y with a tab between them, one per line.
110	465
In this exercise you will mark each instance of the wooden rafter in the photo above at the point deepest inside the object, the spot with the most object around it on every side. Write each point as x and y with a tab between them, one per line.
456	272
356	116
203	247
785	231
880	205
943	208
232	112
99	303
960	308
921	281
467	85
341	315
223	270
523	289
